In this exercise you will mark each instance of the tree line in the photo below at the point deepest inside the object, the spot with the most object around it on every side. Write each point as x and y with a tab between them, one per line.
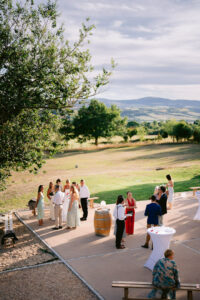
95	120
177	130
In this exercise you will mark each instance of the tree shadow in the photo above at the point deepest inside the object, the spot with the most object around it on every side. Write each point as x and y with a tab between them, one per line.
74	152
185	153
150	147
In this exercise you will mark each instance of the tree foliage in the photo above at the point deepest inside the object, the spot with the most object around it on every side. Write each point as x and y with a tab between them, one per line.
182	130
95	121
41	75
196	133
141	132
39	68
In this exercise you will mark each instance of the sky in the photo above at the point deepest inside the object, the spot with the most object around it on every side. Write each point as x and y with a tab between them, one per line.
155	43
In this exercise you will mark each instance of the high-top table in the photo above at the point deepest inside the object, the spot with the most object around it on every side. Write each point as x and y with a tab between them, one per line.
161	237
197	216
194	189
92	201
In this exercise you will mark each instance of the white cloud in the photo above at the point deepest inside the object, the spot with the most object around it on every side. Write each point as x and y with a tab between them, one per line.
155	43
117	23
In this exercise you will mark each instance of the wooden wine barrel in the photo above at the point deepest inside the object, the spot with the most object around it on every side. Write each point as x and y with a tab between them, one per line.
102	222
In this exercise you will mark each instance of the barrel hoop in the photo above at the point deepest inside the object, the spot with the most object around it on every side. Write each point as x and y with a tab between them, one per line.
105	228
102	219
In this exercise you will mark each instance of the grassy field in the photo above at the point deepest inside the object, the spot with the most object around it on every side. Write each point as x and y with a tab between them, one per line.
111	171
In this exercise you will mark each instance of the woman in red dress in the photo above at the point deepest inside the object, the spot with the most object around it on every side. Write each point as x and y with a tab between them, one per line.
130	204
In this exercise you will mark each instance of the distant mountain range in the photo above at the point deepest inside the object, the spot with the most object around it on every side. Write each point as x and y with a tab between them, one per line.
151	101
152	108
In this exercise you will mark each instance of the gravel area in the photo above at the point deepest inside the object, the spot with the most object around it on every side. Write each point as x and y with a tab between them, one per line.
50	281
27	251
53	281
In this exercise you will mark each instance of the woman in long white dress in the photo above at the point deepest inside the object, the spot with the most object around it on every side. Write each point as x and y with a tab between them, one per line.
73	217
170	187
66	191
40	205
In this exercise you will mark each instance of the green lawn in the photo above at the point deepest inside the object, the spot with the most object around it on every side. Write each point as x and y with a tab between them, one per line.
110	172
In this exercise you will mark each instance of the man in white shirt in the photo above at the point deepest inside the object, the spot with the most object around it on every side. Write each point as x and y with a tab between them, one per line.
58	206
84	195
119	215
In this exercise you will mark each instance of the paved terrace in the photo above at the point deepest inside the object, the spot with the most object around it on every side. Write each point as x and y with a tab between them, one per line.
99	263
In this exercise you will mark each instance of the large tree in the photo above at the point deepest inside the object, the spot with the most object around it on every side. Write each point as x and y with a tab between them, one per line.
182	131
95	121
24	141
41	75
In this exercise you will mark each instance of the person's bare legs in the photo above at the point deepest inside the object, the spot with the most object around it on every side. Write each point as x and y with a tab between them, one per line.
169	206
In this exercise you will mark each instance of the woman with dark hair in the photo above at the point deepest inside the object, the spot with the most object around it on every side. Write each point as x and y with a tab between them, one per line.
170	187
50	194
58	182
130	204
73	218
119	215
40	205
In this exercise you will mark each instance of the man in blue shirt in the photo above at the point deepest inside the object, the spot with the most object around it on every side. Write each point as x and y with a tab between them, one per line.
152	211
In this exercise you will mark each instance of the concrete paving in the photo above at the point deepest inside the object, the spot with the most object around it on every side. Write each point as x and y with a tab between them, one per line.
99	263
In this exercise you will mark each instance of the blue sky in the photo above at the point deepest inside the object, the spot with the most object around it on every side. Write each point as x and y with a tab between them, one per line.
156	44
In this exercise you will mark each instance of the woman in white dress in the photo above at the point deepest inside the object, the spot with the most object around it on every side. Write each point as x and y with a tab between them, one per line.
50	194
73	217
66	191
170	187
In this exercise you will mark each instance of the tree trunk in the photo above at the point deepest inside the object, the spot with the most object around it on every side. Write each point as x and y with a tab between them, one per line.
96	141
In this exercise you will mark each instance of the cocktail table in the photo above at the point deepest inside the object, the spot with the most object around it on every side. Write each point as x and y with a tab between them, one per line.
161	237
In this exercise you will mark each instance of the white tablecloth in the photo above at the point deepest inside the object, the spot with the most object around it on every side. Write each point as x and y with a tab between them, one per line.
197	216
161	237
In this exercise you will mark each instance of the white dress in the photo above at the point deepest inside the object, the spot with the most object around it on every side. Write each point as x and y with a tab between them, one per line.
52	216
73	217
66	205
171	194
197	216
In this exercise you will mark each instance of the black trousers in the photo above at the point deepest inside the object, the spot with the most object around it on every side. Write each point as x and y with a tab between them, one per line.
84	204
119	232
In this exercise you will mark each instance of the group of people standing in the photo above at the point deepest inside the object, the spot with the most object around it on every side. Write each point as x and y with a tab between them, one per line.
124	212
64	203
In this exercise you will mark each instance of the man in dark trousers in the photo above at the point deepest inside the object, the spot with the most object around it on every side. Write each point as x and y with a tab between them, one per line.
84	195
163	204
152	211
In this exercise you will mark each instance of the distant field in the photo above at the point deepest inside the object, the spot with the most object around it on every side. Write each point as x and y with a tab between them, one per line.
110	172
161	113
